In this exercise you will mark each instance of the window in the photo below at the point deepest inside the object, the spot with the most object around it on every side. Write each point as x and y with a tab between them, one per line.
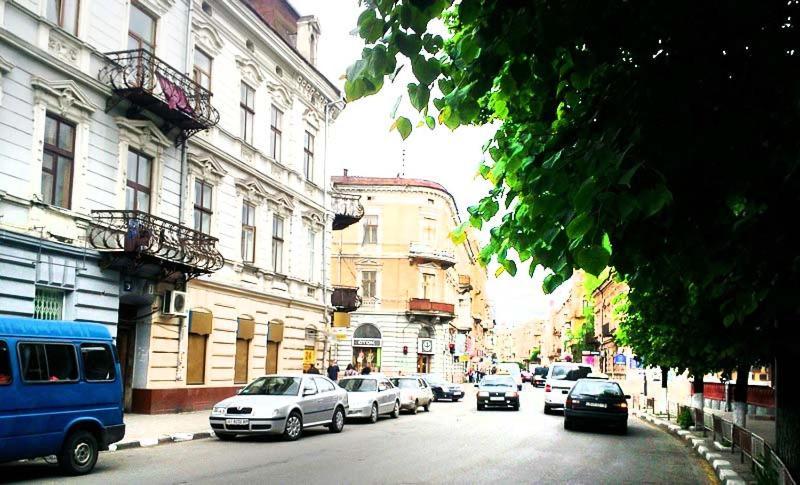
248	232
429	229
202	69
5	364
368	281
370	230
276	131
202	206
137	191
58	161
98	362
141	30
64	13
277	244
48	362
312	244
324	385
308	156
248	112
428	282
240	365
48	304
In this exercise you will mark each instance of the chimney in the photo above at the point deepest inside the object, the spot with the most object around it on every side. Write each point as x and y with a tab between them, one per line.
308	33
345	172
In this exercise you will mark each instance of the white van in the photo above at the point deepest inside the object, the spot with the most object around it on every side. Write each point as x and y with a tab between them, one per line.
560	379
513	369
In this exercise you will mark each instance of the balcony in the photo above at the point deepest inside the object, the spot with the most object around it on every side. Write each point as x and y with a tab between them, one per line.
347	210
421	252
426	307
345	298
151	84
144	245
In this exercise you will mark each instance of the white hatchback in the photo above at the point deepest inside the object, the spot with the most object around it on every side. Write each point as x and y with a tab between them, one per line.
560	379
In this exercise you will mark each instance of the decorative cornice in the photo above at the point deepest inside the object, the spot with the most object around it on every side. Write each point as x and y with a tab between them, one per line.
250	70
5	66
141	133
310	92
251	189
206	166
207	37
64	96
312	117
158	7
280	94
313	217
281	202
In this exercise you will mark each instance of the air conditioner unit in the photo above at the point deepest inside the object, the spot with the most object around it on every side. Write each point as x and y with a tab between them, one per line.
175	303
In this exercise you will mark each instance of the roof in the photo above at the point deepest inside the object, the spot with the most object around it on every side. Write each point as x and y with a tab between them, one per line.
30	327
396	181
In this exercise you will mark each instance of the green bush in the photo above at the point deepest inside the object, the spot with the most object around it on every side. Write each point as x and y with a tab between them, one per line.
685	418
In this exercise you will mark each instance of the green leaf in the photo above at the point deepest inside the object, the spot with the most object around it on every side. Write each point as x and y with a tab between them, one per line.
430	121
419	96
408	45
551	282
552	159
468	11
459	234
510	267
579	226
593	259
396	105
628	175
404	127
585	194
425	70
500	270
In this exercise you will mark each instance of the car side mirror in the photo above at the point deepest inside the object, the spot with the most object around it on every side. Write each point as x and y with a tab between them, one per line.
309	392
627	396
476	384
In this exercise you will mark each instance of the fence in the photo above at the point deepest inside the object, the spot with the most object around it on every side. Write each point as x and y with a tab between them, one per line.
750	446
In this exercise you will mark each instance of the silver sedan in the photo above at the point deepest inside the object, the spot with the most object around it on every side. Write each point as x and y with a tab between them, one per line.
370	396
281	404
414	392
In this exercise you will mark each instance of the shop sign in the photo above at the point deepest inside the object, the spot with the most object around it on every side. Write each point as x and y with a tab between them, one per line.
425	346
620	359
463	358
309	357
341	336
366	342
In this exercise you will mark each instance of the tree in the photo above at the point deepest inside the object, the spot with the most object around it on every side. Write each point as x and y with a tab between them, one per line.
665	130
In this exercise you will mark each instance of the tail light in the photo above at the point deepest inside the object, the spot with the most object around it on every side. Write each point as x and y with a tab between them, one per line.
512	394
547	388
568	404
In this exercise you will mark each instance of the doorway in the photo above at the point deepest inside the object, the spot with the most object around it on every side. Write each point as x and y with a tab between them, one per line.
272	357
126	349
423	364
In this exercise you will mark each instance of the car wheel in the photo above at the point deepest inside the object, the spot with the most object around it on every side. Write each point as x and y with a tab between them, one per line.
480	407
225	436
337	423
435	399
519	387
79	453
396	411
516	407
427	407
623	428
373	413
547	409
567	423
294	427
456	399
416	407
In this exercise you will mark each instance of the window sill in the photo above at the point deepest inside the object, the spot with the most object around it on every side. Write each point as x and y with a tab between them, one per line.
62	210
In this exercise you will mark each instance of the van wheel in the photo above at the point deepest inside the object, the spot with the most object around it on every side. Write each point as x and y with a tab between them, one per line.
79	453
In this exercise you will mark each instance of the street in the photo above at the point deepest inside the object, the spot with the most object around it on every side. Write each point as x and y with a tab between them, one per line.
452	443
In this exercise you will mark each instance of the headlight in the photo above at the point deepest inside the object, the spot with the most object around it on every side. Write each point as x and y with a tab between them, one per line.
272	413
219	410
483	394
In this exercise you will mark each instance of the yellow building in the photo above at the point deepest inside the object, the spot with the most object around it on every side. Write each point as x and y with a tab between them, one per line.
422	295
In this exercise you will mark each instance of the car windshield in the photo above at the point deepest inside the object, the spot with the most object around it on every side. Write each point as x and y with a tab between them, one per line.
570	373
597	388
540	371
273	386
405	383
359	385
491	381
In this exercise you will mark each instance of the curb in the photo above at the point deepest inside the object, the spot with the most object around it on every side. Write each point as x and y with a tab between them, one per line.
708	451
148	442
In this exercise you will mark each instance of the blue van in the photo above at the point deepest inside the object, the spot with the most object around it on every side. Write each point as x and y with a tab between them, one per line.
60	392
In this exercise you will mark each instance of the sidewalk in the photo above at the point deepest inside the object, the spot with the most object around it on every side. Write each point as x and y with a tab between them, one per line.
153	429
765	428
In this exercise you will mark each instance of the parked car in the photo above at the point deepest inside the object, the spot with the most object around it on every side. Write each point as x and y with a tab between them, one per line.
60	392
281	404
414	392
560	379
370	396
526	376
539	376
596	401
442	389
498	390
511	368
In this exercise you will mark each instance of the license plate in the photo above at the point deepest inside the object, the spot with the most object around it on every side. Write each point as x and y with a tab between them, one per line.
565	392
497	399
596	404
237	421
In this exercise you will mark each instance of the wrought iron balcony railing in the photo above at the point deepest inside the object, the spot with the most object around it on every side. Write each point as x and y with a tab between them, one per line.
347	209
135	239
345	298
423	252
150	83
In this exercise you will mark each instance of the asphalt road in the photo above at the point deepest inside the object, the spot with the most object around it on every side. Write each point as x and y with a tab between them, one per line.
453	443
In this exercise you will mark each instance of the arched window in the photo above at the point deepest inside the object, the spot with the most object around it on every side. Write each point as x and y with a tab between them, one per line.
367	330
425	332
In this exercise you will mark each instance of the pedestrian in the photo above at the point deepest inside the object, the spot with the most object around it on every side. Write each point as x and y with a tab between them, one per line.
366	370
333	371
312	369
350	371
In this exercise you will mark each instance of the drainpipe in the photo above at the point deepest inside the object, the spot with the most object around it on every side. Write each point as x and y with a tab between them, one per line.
327	112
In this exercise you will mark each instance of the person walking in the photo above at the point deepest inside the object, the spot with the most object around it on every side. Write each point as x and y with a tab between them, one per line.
350	371
312	370
333	371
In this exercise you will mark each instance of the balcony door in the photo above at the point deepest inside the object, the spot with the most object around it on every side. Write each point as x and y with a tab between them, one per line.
142	37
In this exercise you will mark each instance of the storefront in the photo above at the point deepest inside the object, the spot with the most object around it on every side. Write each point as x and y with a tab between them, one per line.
424	355
367	348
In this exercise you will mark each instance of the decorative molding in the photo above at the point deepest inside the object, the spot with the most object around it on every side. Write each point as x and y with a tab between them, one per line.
158	7
206	167
281	203
5	68
252	190
280	95
141	134
207	37
310	92
313	217
63	46
63	96
368	262
312	117
250	70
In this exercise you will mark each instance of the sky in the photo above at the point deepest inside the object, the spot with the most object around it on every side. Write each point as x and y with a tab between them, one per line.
362	143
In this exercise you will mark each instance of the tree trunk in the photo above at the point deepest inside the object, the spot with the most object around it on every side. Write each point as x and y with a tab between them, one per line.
787	408
697	387
740	395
